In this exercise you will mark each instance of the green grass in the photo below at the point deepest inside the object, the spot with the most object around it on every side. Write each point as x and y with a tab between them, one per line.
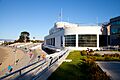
68	70
80	68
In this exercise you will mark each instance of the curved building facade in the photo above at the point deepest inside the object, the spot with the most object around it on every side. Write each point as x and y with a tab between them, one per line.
73	36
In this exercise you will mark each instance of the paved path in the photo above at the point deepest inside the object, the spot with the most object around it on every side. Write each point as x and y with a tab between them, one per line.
107	52
43	71
51	69
112	68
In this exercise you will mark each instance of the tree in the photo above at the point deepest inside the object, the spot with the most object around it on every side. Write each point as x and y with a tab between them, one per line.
24	37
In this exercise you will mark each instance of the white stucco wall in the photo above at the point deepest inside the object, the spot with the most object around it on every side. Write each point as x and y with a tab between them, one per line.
57	37
75	30
83	30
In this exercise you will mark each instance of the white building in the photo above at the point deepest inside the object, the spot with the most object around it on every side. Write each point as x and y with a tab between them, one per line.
73	36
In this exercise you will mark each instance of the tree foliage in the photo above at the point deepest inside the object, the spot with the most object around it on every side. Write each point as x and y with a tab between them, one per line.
24	37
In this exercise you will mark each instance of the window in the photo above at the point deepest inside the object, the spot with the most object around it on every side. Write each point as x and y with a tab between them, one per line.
115	31
87	40
50	41
70	40
115	23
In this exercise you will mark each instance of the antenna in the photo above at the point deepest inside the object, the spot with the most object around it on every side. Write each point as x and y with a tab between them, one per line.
61	15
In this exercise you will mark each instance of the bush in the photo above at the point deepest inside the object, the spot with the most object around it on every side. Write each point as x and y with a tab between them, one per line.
116	55
91	51
107	58
83	53
81	68
92	71
97	54
91	54
105	55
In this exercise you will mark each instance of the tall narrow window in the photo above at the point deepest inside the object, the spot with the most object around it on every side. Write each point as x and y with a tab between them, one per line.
53	41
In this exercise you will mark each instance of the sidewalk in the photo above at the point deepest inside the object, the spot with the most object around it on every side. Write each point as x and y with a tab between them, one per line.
112	68
51	69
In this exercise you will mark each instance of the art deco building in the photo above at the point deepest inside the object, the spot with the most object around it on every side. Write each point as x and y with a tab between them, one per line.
73	36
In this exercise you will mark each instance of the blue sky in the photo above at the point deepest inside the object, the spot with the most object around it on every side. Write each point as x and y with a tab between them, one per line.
38	16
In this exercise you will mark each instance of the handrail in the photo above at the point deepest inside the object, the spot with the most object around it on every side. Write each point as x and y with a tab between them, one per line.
49	66
23	69
39	65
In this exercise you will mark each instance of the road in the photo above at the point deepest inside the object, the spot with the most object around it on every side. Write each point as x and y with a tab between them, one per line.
112	68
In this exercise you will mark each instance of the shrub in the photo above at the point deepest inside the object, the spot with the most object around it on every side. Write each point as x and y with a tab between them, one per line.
83	53
90	54
97	54
107	58
92	71
116	55
105	55
91	51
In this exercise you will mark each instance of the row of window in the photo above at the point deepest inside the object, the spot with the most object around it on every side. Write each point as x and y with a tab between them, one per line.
50	41
115	23
83	40
115	31
70	41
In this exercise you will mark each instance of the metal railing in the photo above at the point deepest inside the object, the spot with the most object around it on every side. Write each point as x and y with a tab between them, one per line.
22	69
21	72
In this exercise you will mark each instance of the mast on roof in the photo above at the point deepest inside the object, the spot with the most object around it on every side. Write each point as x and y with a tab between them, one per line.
60	15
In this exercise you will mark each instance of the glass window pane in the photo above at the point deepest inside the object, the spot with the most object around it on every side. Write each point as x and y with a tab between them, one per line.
87	40
70	40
